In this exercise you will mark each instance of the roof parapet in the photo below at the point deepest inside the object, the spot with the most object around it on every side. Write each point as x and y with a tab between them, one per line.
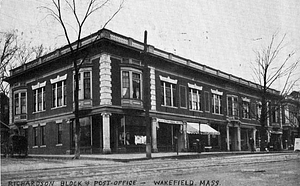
104	33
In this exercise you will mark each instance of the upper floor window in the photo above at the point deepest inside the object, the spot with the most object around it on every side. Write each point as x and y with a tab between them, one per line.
195	97
20	102
275	114
39	100
168	91
232	106
59	92
246	108
217	106
259	108
131	84
85	83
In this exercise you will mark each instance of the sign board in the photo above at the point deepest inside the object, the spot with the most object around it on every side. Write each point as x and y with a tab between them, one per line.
297	144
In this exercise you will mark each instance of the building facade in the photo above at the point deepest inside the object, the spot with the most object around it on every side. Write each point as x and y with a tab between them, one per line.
4	117
291	118
183	94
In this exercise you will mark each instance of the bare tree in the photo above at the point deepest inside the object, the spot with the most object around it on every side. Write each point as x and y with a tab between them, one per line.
58	13
15	51
270	66
8	49
40	50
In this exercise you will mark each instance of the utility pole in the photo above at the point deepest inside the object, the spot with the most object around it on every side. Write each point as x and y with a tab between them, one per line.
146	82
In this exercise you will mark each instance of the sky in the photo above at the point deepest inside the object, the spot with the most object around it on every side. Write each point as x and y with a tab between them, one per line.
220	34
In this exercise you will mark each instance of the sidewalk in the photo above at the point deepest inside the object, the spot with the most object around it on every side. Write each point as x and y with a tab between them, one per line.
142	156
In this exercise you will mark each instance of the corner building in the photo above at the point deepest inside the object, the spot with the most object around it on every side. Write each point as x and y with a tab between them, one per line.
183	95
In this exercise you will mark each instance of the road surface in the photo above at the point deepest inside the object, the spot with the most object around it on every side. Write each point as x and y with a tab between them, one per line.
253	169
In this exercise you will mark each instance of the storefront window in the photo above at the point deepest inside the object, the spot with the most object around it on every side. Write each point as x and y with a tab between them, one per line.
85	132
132	131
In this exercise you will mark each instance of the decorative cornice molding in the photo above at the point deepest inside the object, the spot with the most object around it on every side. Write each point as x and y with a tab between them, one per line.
194	86
58	78
168	79
216	92
38	85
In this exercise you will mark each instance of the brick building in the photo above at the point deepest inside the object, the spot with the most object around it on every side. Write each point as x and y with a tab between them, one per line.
291	118
4	117
183	95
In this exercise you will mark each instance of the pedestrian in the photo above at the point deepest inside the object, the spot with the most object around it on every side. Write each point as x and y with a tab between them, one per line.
251	141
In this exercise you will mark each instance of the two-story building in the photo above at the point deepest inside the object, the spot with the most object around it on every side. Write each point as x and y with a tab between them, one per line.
188	101
291	118
4	117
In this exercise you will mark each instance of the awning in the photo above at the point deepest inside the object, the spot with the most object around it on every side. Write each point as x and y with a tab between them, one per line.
193	128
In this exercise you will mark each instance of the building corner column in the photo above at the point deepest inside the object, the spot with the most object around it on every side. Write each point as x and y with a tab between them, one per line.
106	132
254	138
105	79
227	137
154	135
185	139
239	138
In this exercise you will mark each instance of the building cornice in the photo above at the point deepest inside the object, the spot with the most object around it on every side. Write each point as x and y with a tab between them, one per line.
105	34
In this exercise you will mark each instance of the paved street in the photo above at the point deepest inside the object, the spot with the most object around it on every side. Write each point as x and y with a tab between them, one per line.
251	169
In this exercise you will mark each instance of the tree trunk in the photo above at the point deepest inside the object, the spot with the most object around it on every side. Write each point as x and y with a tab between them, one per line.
263	122
76	113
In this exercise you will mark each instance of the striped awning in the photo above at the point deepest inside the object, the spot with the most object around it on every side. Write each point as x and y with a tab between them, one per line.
193	128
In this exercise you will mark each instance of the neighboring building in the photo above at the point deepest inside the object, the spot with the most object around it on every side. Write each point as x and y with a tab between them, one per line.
183	94
291	119
4	117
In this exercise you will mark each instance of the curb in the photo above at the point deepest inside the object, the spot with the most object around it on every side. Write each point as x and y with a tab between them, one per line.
180	156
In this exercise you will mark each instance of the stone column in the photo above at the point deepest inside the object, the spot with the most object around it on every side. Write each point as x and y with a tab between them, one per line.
208	140
106	132
154	135
105	80
227	137
239	138
152	89
184	130
254	138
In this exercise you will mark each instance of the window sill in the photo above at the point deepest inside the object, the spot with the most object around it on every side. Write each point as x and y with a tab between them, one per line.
54	108
132	102
58	145
35	147
38	112
43	146
218	114
169	106
233	117
196	110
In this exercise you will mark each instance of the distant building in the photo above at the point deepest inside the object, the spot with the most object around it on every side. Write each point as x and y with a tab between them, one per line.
291	119
4	117
183	95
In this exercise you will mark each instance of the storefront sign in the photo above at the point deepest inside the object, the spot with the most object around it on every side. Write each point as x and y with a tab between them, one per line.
297	144
169	121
